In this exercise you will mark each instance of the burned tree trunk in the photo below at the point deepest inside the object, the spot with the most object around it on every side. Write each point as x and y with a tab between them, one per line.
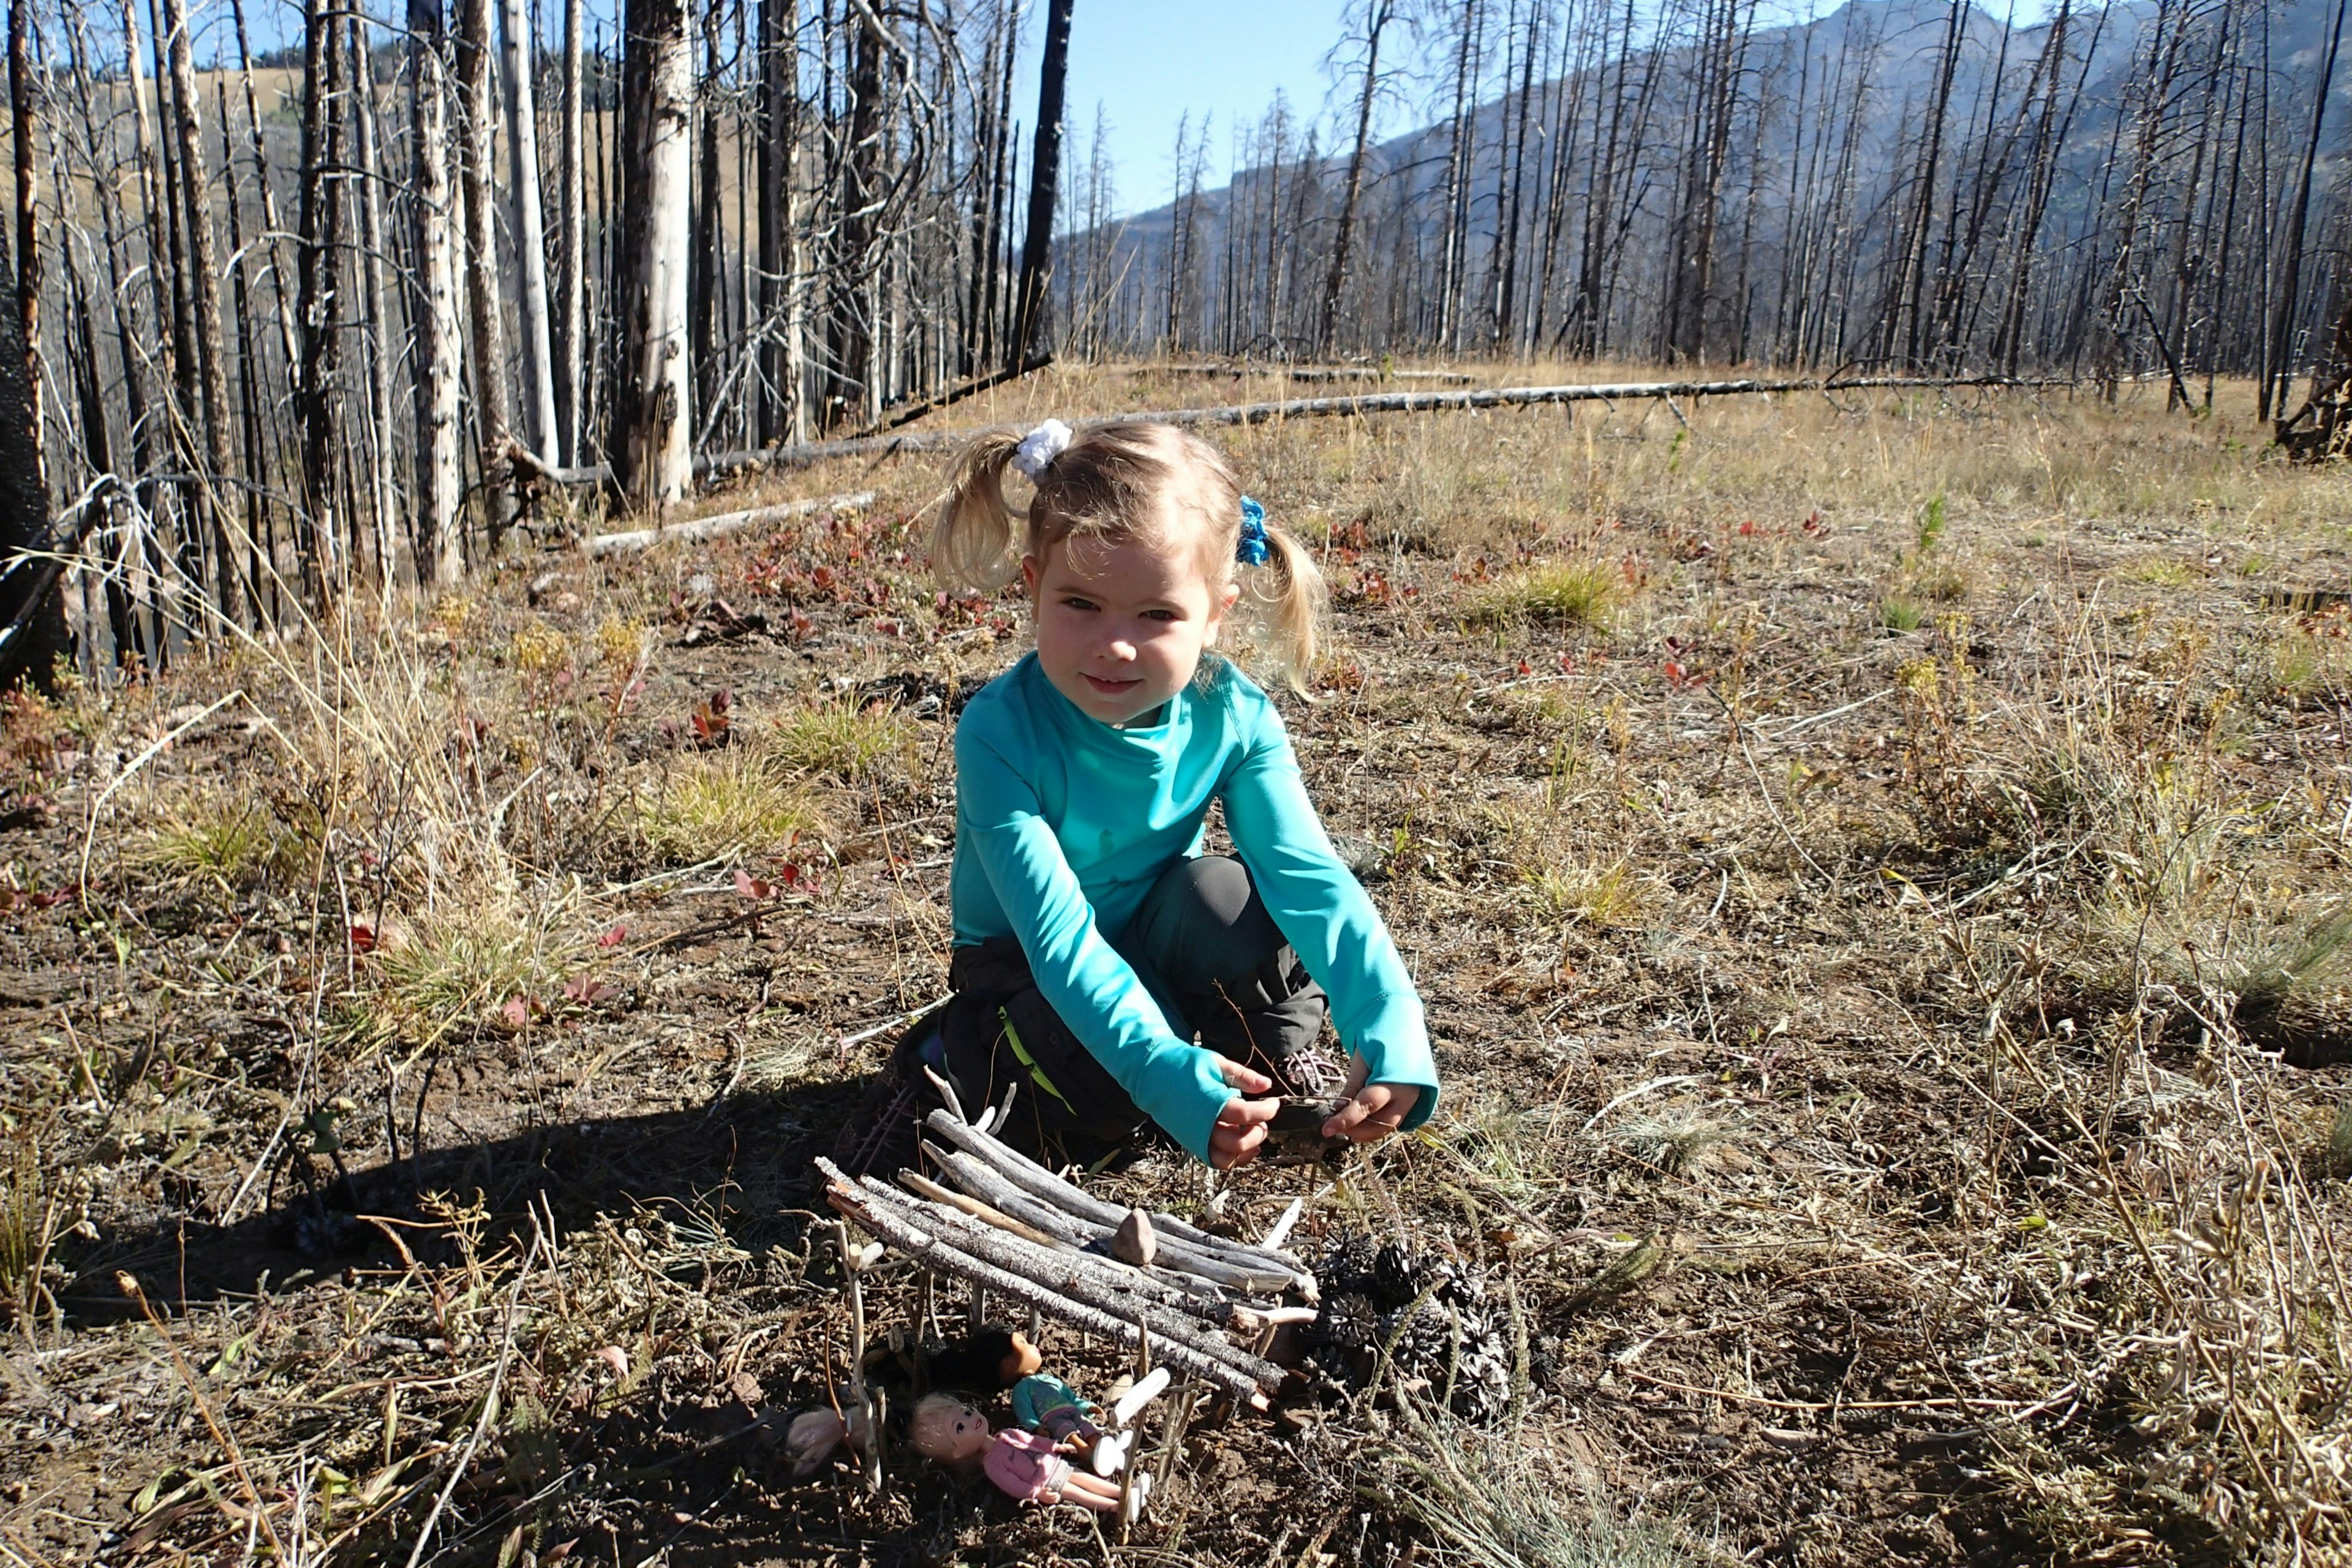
1376	22
318	303
1045	170
779	123
570	221
32	605
652	408
440	545
493	413
29	232
530	232
235	579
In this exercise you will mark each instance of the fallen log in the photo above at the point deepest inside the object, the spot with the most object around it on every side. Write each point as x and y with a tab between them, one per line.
719	525
879	447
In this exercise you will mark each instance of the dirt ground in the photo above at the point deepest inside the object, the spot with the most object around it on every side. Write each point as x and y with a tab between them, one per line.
1876	869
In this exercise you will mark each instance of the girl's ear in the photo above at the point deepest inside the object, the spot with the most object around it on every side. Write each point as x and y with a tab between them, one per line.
1031	569
1220	601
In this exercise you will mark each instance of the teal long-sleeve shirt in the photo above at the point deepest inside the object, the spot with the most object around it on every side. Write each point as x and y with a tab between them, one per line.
1063	825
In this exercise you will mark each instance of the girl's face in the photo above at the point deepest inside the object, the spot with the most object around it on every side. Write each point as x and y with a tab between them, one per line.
1121	624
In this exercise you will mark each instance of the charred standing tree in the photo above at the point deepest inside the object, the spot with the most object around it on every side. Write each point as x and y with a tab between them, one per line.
570	249
319	306
528	228
29	232
439	542
233	582
704	305
32	605
1044	169
1378	16
780	417
652	413
485	306
849	330
2280	363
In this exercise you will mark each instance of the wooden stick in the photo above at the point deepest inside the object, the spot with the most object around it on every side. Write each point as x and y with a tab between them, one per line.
926	1248
917	1182
1034	1178
989	1182
1066	1273
1216	1310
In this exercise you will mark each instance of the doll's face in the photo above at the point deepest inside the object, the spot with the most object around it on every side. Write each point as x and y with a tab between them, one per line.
948	1430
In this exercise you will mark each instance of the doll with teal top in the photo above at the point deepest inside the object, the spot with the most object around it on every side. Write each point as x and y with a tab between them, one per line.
1044	1402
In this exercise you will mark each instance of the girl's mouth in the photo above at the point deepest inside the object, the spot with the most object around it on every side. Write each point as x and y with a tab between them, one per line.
1112	688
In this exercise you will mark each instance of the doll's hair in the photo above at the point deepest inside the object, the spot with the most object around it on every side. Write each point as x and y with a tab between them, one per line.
937	1429
1145	481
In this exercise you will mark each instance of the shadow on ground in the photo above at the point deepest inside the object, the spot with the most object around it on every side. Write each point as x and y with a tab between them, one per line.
749	1156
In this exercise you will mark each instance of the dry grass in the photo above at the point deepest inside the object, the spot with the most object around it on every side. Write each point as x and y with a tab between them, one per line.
1866	861
839	738
1562	593
724	807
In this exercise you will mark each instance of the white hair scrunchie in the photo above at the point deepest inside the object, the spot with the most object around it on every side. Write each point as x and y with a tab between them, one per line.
1040	448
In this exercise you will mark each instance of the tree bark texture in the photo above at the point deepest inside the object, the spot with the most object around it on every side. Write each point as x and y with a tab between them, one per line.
653	408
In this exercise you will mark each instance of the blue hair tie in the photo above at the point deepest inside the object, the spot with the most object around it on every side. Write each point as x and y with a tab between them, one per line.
1251	549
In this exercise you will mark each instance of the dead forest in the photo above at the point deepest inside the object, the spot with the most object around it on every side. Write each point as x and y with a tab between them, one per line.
350	310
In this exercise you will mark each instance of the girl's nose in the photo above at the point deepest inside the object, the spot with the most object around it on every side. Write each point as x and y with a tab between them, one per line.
1122	649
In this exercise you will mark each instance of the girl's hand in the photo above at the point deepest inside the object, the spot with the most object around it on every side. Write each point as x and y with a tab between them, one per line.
1240	1130
1373	1110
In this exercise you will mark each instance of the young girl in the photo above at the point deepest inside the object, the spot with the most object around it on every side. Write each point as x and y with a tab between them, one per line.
1094	941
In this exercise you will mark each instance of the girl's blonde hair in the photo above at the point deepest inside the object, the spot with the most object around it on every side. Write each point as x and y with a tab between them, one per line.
1144	481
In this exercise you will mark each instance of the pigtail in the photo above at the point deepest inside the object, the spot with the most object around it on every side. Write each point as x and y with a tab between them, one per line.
971	537
1287	594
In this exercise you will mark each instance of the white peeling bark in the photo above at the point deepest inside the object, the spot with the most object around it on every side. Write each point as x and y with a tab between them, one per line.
538	368
656	452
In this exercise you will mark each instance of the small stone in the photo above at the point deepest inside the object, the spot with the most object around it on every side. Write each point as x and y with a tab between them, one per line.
1134	1242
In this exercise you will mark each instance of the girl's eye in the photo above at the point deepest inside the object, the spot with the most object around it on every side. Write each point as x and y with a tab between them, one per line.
1075	603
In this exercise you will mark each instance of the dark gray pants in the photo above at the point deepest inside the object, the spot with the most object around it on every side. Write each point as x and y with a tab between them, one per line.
1212	958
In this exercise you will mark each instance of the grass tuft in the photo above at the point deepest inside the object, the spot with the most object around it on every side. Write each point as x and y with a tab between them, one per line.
218	840
458	967
842	739
1607	896
2161	572
1489	1499
1560	592
1898	612
725	805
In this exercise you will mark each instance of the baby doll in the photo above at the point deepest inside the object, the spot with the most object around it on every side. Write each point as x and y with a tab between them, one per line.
1023	1465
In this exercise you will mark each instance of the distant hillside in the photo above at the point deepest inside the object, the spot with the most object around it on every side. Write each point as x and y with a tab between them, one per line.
1825	148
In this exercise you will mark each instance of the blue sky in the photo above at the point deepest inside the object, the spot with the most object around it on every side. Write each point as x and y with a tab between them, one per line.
1151	62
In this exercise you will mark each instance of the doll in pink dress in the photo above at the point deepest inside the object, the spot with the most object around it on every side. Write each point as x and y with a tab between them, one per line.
1023	1465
